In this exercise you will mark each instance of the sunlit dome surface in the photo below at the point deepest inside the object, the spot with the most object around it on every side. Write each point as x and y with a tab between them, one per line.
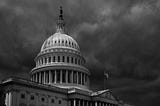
59	40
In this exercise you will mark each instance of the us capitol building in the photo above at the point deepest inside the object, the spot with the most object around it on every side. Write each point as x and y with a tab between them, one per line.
58	79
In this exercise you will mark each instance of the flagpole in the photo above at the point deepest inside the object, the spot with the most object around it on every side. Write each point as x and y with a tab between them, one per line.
105	77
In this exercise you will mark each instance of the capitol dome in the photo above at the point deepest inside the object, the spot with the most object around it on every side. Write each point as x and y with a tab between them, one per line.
60	62
60	40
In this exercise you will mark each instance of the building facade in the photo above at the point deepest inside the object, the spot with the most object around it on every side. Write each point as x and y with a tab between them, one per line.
58	79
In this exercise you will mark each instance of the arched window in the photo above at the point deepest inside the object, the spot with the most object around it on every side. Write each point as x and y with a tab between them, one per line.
42	60
49	59
58	75
52	100
60	102
63	76
71	59
58	58
63	59
54	58
45	59
69	76
79	61
75	60
67	59
42	99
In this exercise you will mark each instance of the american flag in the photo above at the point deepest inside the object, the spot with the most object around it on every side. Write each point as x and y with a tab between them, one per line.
106	75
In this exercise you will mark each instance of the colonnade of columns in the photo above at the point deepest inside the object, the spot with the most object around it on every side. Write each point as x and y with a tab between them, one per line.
80	102
52	59
61	76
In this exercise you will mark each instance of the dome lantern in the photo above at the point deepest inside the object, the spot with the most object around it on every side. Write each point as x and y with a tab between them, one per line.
60	22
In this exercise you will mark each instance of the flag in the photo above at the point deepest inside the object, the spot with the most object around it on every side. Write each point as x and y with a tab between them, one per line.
106	75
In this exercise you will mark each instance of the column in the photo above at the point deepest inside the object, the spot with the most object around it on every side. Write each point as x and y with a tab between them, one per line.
81	78
83	103
74	102
71	76
36	77
10	99
47	60
61	76
43	61
79	102
77	77
87	103
40	77
55	76
66	76
95	103
44	77
50	77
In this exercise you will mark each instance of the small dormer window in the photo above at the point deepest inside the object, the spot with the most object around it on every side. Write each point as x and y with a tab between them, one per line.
59	101
42	99
52	100
23	96
32	97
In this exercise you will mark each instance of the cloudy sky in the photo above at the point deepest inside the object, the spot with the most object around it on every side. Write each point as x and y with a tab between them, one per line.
121	37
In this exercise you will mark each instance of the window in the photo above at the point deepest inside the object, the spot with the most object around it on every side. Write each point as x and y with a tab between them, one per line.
58	75
42	99
45	60
63	58
49	59
79	78
53	75
58	58
54	58
37	77
23	96
67	59
72	59
59	101
69	76
52	100
75	60
32	97
79	62
63	76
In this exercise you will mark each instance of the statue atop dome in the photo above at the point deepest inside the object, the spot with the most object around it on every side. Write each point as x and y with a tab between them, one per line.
60	22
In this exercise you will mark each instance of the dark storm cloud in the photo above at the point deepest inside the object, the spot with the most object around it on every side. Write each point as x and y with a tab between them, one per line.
117	36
